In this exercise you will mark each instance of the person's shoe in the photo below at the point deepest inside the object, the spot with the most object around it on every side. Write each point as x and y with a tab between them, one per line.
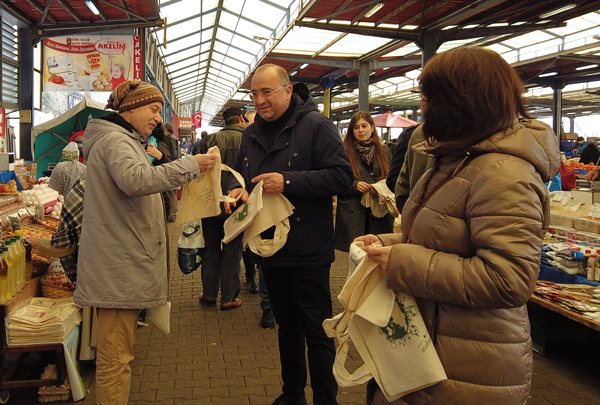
207	301
268	320
236	303
283	400
252	285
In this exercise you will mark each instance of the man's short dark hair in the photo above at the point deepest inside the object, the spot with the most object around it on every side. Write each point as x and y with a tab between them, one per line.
231	115
169	127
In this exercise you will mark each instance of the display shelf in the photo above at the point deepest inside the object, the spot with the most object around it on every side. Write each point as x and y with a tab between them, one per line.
32	289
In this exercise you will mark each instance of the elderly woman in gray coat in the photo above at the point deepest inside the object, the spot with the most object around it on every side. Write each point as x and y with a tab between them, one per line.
370	164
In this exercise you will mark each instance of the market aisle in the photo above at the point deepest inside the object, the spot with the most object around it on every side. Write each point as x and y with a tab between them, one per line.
226	358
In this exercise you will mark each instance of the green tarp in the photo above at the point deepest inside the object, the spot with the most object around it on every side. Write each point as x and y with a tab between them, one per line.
49	139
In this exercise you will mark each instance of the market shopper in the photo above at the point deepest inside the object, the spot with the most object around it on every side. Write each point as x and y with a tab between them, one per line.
123	251
68	178
297	152
221	262
175	152
370	164
472	229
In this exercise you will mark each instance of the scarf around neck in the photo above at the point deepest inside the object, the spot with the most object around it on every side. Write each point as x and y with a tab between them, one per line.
366	150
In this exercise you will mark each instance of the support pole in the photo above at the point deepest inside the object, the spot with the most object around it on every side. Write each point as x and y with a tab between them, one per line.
429	44
363	86
557	107
25	75
327	102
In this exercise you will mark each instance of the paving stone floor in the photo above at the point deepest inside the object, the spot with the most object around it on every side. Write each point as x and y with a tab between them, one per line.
214	357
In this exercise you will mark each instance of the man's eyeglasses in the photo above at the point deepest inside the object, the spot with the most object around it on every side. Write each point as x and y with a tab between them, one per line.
265	93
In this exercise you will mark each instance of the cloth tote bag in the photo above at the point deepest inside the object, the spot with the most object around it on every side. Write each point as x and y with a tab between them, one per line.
201	198
384	202
266	210
387	330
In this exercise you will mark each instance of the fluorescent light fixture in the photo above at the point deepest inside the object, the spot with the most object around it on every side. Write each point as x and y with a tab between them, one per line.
548	74
303	65
293	72
586	67
559	10
92	7
375	9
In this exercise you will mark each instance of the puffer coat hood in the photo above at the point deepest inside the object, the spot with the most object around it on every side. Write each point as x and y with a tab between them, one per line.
471	259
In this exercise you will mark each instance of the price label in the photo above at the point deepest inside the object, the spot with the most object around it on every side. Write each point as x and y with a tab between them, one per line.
558	196
566	199
573	205
40	210
15	223
595	211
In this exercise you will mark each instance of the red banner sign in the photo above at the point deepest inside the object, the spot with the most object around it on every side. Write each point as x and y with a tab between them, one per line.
137	58
197	120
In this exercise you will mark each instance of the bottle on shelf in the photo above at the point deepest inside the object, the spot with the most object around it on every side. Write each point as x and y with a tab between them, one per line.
28	249
20	251
591	268
4	287
12	269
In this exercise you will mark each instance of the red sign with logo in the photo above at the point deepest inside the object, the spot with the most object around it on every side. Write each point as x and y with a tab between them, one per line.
197	120
137	58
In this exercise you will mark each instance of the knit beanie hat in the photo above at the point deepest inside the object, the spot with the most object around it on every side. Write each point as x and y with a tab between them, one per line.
133	94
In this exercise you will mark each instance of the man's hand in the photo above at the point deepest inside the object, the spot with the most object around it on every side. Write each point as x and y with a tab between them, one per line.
154	152
592	175
234	194
206	161
273	182
368	240
33	241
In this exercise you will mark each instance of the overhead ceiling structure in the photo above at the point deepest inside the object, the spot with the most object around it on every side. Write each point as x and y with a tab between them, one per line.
57	17
331	38
213	45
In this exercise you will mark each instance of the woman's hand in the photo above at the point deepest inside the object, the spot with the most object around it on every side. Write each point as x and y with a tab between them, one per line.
380	255
154	152
363	187
368	240
33	241
234	194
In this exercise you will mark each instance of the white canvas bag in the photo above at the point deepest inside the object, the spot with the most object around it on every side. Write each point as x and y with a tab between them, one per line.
266	210
384	202
387	331
201	198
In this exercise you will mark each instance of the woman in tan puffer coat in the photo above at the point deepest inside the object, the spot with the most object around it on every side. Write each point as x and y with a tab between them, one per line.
472	229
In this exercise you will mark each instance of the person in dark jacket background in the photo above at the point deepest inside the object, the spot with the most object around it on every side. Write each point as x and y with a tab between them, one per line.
590	154
297	152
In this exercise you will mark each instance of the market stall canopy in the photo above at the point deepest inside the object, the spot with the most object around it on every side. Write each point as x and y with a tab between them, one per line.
49	139
389	120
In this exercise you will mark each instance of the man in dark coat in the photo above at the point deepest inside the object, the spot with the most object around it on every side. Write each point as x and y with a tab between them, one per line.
175	153
297	152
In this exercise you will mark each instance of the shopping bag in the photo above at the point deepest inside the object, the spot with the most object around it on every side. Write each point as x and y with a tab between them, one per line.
381	203
388	332
261	212
161	317
190	247
202	198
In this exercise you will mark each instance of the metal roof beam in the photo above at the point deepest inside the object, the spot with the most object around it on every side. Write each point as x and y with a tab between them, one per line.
459	15
340	7
249	20
345	10
224	64
568	79
454	34
212	46
231	57
270	3
395	11
70	10
333	42
189	57
234	47
44	11
122	3
374	32
197	72
360	15
350	65
241	35
102	15
125	10
192	33
185	49
61	30
583	59
382	50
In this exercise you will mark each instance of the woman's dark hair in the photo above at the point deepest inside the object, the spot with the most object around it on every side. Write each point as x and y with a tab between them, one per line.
470	92
350	143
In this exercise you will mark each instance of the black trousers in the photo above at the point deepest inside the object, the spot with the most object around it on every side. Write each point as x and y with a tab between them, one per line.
301	301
